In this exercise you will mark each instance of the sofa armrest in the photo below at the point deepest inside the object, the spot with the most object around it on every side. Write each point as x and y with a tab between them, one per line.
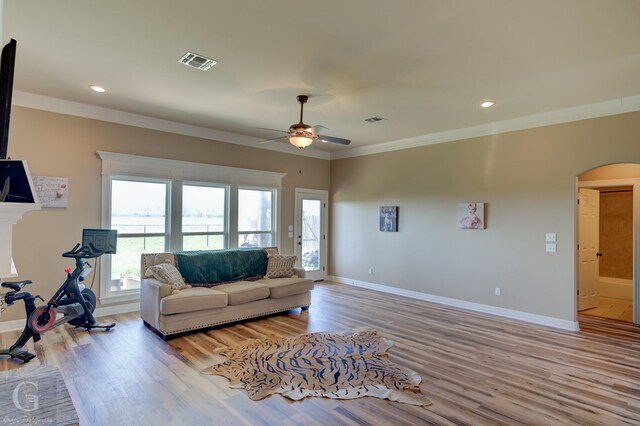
299	272
151	292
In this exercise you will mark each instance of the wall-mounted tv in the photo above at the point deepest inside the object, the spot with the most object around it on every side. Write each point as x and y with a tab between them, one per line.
7	65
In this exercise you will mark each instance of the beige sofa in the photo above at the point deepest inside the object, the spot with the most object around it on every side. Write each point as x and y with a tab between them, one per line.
200	307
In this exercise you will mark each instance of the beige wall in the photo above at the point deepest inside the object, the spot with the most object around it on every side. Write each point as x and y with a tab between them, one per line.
616	233
62	145
528	179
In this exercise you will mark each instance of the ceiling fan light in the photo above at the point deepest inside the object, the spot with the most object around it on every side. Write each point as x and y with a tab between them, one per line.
300	141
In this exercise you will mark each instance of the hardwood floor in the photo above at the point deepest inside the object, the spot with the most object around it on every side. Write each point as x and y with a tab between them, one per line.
477	369
616	309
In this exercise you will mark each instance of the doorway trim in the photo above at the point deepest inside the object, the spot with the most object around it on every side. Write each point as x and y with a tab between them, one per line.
635	182
325	224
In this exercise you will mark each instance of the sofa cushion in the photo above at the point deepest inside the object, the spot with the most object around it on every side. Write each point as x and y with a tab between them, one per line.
280	266
168	274
283	287
193	299
244	291
164	258
271	250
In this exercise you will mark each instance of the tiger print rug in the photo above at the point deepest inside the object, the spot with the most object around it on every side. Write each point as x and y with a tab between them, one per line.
343	365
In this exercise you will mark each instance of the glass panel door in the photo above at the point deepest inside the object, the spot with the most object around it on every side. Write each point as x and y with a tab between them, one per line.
311	234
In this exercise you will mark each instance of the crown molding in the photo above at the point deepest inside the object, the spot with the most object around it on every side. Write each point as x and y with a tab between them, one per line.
78	109
584	112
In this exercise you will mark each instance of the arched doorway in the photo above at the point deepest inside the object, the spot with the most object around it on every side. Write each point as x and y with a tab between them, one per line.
608	233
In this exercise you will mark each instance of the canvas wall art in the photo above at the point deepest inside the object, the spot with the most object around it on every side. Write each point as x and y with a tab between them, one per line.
471	215
52	191
389	219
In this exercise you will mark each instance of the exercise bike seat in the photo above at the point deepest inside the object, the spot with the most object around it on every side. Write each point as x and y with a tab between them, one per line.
16	285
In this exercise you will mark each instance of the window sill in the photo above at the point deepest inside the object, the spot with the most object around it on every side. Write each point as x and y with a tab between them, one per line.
133	296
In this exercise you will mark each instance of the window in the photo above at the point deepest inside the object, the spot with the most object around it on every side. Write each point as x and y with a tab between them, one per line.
166	205
255	219
204	217
139	213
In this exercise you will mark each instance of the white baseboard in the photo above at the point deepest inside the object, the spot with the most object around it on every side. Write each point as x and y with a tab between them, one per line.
99	312
478	307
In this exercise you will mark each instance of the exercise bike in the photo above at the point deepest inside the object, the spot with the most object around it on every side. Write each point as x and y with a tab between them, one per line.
73	301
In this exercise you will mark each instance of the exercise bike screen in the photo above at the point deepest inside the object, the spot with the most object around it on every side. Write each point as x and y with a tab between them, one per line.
105	240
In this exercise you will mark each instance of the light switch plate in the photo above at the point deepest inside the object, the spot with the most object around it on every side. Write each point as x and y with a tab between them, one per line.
550	237
290	228
551	247
290	234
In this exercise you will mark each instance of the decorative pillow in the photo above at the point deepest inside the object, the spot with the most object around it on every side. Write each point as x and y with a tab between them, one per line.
168	274
271	251
280	266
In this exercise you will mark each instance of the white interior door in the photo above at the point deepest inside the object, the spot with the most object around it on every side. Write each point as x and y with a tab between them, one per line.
588	248
310	232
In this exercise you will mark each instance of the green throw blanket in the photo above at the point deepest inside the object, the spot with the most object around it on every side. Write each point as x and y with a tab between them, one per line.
219	266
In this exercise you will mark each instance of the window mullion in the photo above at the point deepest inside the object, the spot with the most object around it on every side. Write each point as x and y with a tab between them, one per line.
175	212
232	230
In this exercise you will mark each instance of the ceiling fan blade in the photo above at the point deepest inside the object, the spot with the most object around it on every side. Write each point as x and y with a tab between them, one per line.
274	139
334	140
320	129
273	130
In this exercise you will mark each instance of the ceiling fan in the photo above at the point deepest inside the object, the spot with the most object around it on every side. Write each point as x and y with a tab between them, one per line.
302	135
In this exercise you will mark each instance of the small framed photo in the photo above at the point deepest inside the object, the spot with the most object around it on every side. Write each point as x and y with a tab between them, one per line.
389	218
471	215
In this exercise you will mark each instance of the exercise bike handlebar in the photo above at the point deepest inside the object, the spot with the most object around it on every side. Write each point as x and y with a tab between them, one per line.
83	252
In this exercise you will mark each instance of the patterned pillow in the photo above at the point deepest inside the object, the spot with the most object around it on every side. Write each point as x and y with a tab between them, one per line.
167	273
280	266
271	251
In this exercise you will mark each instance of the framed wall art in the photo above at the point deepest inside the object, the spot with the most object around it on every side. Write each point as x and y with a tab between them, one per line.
389	218
471	215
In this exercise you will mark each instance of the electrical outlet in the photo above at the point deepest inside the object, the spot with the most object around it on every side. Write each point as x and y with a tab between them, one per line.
370	271
498	291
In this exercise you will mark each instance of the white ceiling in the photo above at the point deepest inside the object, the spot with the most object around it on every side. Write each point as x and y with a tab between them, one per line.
424	65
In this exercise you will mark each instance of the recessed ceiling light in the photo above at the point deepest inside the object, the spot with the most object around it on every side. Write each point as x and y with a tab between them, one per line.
98	89
487	104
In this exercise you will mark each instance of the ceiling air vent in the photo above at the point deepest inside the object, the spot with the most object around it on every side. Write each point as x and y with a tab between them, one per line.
374	119
194	60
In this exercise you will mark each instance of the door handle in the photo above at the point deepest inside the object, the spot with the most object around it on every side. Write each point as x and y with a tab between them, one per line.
599	254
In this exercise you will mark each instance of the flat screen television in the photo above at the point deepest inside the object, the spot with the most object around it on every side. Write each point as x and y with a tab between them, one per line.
7	65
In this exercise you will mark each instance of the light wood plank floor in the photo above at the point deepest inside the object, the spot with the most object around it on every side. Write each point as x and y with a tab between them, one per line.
621	310
477	369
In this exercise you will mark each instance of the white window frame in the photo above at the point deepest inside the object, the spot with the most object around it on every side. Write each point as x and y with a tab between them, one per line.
105	282
274	213
179	173
225	231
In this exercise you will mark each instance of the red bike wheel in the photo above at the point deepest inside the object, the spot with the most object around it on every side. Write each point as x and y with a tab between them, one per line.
42	319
